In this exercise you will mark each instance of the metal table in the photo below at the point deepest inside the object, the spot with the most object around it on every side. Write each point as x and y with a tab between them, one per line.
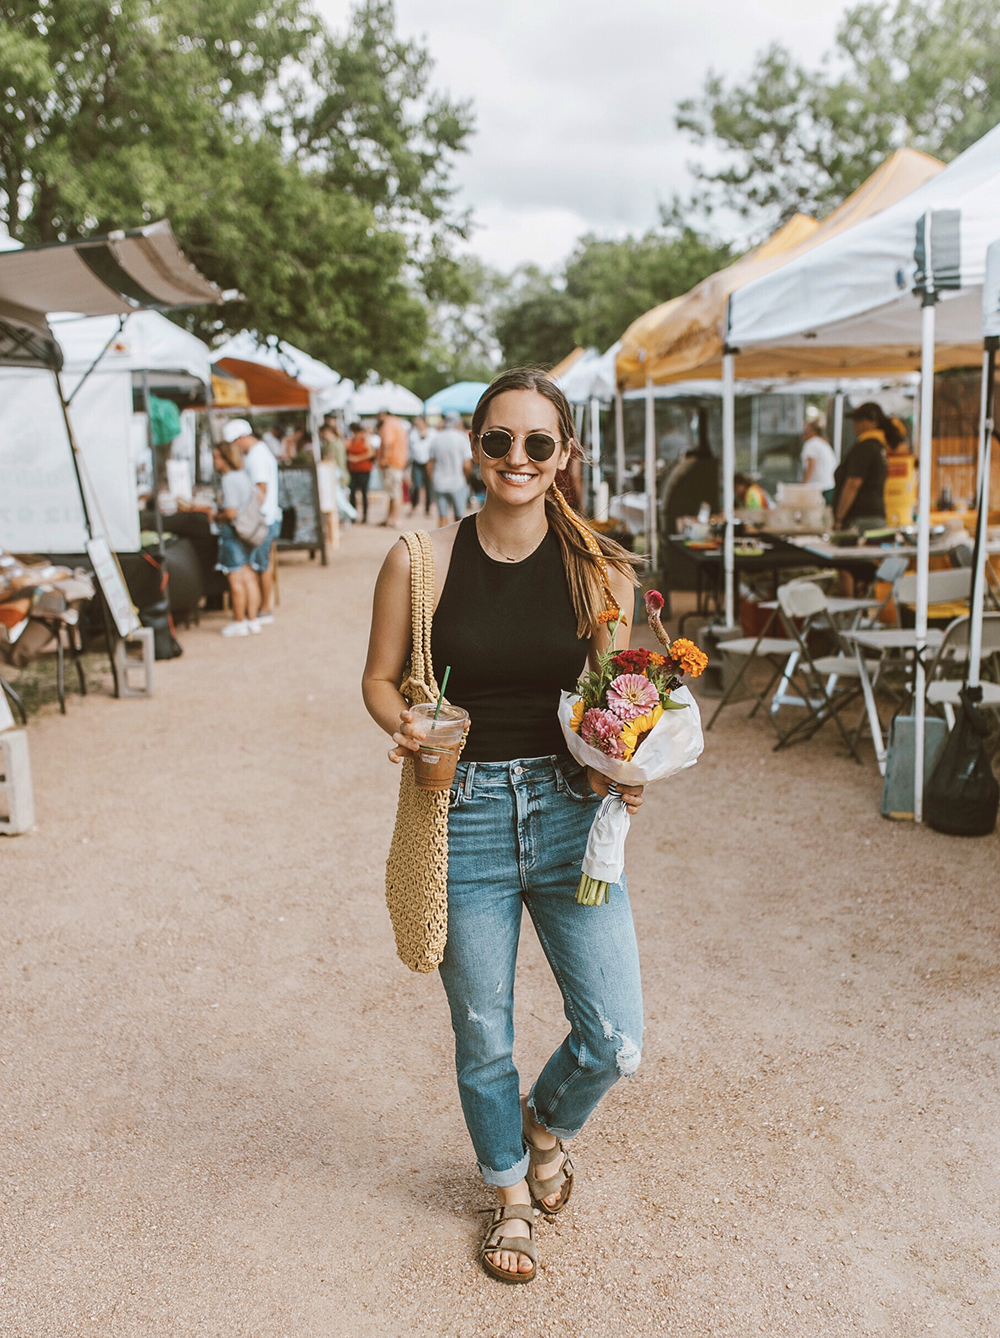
778	556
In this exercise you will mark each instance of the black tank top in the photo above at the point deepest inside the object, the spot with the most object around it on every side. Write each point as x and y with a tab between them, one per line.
508	631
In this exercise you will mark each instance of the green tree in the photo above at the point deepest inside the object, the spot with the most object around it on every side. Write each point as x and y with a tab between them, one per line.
535	327
613	282
302	168
924	73
600	291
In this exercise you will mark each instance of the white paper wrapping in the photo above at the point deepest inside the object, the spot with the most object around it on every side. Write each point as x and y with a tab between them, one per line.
673	744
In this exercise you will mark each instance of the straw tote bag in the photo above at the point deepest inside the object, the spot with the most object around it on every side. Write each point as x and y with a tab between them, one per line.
416	872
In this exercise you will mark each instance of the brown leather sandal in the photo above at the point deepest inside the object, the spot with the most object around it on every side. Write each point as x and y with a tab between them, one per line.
495	1240
544	1189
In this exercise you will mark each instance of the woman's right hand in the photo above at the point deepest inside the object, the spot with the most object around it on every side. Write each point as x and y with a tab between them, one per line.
407	738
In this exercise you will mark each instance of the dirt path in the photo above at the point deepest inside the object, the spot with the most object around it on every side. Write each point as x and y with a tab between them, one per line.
227	1110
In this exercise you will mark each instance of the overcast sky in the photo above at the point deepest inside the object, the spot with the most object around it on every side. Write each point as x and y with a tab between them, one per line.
574	102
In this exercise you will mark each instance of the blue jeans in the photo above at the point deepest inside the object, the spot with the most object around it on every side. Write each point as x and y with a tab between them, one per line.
260	558
517	832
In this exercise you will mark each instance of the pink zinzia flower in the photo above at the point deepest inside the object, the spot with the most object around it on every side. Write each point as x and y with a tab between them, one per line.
632	695
603	730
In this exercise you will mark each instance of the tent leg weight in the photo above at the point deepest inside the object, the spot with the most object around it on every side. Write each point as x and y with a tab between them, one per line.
15	783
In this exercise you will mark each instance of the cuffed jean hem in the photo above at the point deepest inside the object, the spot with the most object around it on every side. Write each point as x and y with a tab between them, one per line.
505	1179
549	1128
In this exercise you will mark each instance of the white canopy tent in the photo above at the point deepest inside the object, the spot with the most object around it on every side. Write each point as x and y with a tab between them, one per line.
384	397
41	510
126	273
912	277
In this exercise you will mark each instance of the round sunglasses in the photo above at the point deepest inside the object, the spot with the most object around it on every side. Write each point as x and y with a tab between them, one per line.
497	442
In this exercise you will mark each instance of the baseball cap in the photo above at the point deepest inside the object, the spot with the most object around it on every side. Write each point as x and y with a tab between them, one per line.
236	428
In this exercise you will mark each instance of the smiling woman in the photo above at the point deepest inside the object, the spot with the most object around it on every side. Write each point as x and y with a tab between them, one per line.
524	593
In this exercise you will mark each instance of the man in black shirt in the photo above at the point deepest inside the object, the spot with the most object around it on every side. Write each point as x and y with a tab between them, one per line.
860	478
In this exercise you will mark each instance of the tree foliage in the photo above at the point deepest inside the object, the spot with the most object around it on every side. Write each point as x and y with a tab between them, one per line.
303	168
603	287
924	73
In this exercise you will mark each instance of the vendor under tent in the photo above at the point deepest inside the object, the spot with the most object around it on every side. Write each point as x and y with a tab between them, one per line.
460	398
910	278
686	337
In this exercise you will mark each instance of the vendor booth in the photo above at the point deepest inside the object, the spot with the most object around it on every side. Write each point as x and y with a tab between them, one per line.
686	337
461	398
41	457
907	283
279	377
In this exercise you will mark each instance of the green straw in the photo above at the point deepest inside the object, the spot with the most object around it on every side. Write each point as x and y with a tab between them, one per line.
444	684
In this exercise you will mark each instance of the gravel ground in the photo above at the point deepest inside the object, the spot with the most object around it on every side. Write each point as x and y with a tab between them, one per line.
228	1110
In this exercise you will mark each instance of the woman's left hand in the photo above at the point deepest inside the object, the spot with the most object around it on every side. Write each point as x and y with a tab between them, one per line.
631	794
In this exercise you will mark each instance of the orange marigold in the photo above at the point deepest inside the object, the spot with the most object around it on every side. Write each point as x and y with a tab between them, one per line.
688	658
611	616
656	660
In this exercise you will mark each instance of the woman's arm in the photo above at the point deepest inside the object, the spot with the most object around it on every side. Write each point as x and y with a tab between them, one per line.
388	651
810	469
846	500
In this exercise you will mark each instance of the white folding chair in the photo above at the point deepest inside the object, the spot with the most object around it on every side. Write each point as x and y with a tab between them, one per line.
953	653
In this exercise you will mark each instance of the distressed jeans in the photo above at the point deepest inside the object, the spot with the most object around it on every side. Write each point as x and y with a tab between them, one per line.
517	832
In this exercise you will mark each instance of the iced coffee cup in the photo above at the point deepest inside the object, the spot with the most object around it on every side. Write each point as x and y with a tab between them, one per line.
434	765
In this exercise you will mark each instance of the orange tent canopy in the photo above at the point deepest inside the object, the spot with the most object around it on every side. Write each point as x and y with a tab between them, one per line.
267	388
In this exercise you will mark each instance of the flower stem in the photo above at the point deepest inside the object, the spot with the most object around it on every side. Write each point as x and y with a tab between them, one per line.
591	892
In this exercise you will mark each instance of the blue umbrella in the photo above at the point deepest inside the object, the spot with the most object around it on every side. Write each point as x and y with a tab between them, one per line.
462	397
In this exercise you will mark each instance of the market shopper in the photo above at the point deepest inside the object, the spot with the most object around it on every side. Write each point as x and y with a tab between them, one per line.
860	477
819	462
394	447
235	491
360	460
421	438
262	468
450	468
523	596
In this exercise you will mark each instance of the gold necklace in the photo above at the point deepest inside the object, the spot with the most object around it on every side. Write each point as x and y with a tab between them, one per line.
497	549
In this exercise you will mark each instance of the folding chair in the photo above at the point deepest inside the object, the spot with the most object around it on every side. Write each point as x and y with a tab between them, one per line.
805	609
775	650
954	653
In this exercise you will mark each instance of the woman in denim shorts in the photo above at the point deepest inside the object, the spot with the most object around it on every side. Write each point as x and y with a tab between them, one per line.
524	591
236	491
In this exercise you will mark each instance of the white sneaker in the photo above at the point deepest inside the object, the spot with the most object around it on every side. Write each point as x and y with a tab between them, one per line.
236	629
265	619
254	626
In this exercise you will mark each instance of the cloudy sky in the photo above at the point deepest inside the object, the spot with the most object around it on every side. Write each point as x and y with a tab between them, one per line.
574	102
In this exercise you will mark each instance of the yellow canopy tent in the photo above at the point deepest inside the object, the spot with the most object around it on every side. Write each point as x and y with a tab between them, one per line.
684	338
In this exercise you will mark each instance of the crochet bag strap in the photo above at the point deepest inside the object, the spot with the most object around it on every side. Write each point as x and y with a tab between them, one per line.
416	872
419	684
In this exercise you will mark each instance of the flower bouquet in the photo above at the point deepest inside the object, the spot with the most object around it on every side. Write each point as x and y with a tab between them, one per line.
634	721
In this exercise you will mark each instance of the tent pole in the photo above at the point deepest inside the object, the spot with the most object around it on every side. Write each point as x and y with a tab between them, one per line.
728	470
619	442
838	424
649	480
152	456
595	448
110	631
923	534
982	557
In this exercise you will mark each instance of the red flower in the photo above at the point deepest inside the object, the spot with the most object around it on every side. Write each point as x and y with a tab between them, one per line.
631	661
654	600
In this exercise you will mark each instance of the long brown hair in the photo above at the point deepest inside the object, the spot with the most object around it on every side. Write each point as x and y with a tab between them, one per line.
586	554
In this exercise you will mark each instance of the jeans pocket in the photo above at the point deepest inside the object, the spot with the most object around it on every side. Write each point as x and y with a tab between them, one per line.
577	783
